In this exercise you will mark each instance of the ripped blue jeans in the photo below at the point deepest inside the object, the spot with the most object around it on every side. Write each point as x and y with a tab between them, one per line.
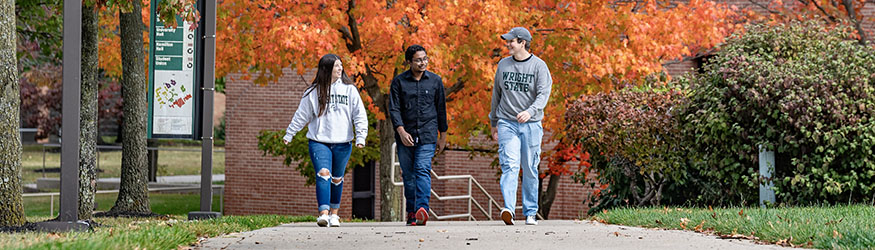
332	157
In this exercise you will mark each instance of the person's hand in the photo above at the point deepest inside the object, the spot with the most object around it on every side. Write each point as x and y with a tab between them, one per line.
285	142
360	145
494	134
441	142
522	117
406	139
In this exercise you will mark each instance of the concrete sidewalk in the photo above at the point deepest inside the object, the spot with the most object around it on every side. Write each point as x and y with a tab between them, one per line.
457	235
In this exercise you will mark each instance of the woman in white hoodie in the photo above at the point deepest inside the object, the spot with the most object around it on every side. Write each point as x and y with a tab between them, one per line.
334	111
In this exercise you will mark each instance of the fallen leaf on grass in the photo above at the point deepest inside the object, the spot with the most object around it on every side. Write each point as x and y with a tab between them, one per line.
684	223
738	236
699	227
785	242
834	221
54	236
741	213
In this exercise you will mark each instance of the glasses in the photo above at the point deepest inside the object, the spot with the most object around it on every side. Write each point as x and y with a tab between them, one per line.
420	60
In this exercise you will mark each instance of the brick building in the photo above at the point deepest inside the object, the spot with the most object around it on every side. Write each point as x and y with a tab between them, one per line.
257	184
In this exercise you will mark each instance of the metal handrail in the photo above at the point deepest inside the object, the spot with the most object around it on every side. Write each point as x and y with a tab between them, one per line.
43	146
469	196
52	195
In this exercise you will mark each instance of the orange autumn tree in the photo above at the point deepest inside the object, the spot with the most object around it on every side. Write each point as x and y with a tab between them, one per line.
588	46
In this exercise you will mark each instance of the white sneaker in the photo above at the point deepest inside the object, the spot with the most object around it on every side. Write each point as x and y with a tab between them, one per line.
322	221
506	216
531	220
334	221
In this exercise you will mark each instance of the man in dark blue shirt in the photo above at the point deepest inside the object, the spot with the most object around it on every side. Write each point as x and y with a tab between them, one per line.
417	107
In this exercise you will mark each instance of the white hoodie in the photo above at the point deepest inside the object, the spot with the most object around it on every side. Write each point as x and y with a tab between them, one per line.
343	109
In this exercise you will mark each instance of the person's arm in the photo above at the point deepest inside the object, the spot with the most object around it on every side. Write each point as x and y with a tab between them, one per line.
440	103
359	117
302	118
493	110
543	86
395	103
496	98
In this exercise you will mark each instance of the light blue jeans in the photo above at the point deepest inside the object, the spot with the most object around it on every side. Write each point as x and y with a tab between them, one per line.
519	147
333	157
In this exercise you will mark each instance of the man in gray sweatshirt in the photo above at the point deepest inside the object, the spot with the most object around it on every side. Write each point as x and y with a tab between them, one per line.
522	87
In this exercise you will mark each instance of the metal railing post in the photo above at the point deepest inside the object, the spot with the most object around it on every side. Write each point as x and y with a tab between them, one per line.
44	160
470	199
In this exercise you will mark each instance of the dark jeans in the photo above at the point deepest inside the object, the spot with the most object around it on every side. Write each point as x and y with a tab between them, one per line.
416	170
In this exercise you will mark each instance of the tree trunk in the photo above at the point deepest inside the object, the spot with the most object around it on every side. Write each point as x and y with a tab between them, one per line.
390	202
133	196
11	209
88	114
547	198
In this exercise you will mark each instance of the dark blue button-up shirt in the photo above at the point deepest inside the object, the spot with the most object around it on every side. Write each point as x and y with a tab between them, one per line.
419	106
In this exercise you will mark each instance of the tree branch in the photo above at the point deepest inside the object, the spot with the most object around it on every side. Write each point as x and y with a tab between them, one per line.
453	89
353	40
852	14
758	4
831	17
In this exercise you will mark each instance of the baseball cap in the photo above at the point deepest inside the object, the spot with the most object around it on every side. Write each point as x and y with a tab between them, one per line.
518	32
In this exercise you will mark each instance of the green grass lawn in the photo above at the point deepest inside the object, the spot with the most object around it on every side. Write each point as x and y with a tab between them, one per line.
827	227
144	233
169	162
127	233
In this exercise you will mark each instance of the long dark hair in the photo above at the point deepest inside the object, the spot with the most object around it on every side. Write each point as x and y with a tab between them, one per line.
322	82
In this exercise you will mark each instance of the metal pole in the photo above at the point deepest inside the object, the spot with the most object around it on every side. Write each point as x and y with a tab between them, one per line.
470	198
44	161
767	168
209	89
70	110
208	82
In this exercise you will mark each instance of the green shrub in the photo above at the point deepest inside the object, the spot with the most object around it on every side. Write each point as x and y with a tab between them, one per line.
802	90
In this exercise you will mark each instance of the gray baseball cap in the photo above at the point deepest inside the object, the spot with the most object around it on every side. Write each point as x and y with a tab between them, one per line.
518	32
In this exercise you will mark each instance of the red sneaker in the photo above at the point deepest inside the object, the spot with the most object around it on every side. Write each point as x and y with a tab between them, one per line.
411	219
421	216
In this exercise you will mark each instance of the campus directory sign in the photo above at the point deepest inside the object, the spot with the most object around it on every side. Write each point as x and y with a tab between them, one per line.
172	79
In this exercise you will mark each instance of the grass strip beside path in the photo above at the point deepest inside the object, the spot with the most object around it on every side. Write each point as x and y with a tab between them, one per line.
129	233
825	227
